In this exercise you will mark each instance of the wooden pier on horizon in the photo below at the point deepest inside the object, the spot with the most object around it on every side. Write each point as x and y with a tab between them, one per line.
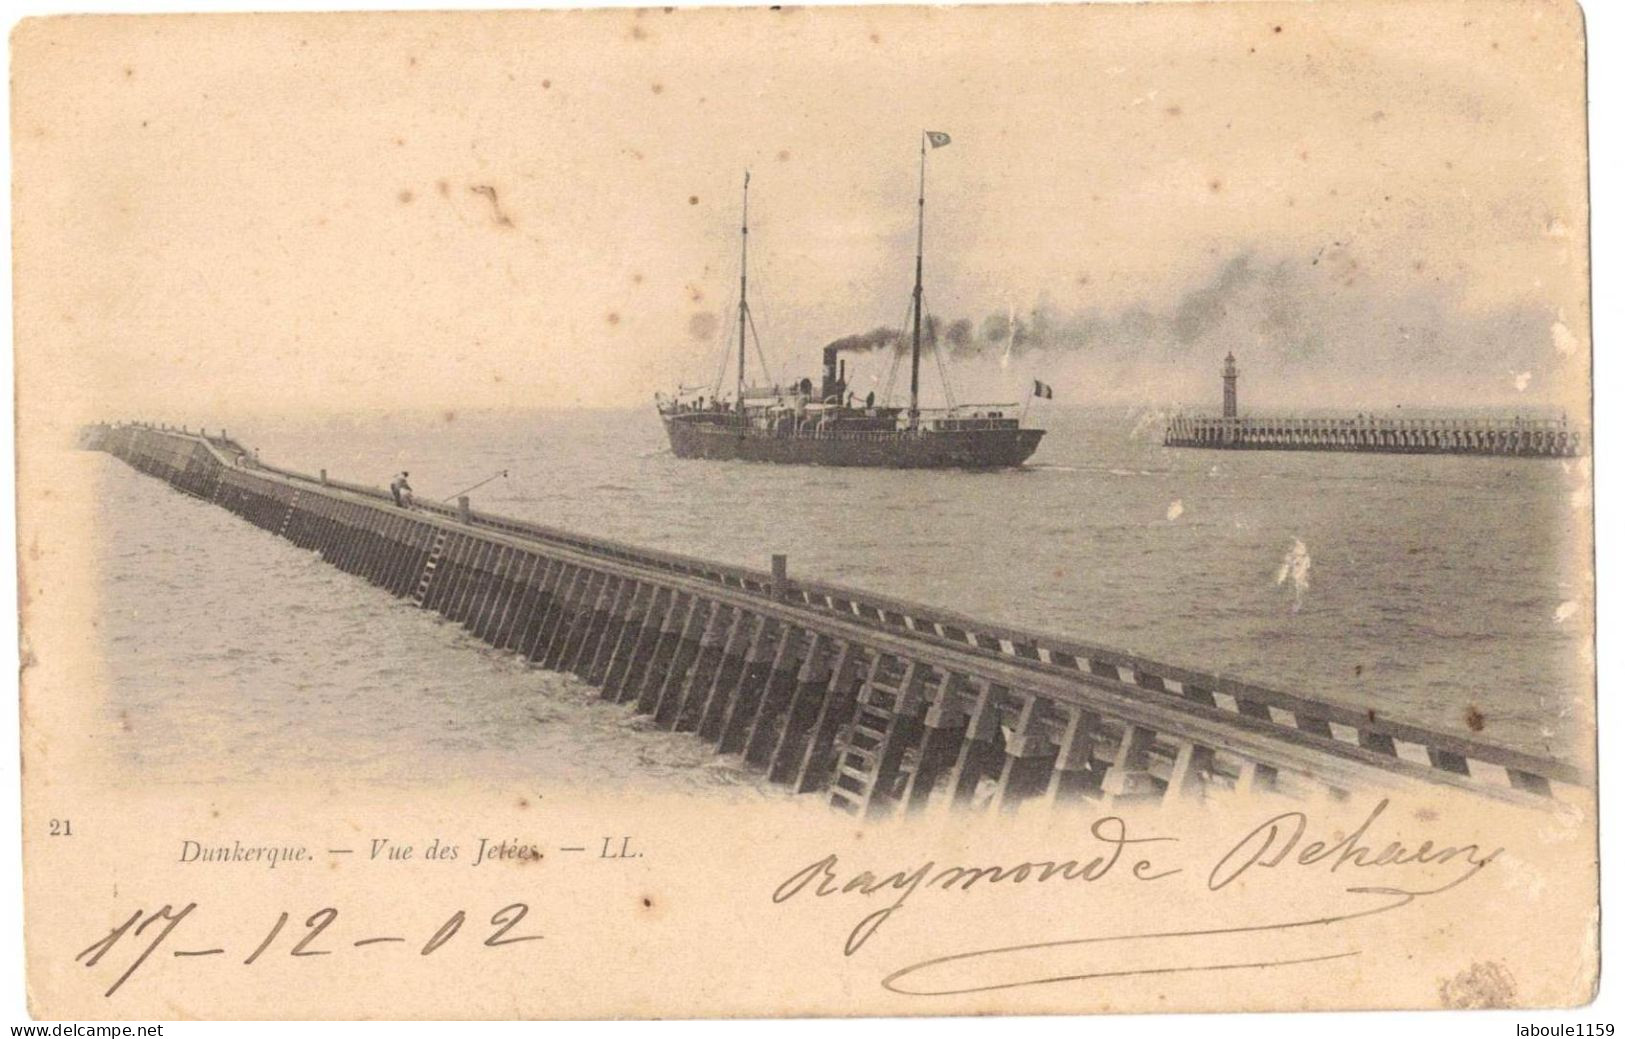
1515	437
878	705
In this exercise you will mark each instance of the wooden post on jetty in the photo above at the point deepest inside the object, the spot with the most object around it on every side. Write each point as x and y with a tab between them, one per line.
781	568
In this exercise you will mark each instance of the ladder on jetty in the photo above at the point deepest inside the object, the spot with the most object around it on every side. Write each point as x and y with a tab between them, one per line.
436	548
877	704
870	749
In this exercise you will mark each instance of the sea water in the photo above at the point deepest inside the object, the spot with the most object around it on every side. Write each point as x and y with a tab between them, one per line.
1441	590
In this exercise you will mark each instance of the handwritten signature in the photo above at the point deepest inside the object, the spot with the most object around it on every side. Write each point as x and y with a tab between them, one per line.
1110	831
1275	843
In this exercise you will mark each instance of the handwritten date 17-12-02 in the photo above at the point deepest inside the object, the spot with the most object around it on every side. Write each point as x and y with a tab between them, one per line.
318	937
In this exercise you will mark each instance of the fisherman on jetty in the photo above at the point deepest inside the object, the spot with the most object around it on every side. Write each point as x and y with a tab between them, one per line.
401	490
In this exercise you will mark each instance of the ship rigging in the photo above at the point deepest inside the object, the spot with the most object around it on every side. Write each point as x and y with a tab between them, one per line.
793	425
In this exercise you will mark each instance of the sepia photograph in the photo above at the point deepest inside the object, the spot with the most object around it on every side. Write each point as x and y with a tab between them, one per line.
806	511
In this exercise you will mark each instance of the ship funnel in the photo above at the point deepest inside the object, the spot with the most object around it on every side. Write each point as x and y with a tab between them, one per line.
834	374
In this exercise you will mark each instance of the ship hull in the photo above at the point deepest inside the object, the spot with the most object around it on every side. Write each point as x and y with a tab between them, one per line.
960	449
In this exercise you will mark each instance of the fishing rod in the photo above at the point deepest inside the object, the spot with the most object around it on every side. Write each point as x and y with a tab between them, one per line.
499	475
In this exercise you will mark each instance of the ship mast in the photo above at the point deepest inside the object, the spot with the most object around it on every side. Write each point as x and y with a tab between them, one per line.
919	277
744	308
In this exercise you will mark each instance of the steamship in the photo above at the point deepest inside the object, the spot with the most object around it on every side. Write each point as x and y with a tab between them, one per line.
793	425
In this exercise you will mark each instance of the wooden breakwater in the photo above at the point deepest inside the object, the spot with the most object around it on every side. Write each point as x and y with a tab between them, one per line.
878	704
1514	437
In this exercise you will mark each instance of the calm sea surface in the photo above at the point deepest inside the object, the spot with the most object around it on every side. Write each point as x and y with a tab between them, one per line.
1435	589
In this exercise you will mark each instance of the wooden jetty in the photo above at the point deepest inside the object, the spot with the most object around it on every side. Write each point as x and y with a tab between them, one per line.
876	704
1514	437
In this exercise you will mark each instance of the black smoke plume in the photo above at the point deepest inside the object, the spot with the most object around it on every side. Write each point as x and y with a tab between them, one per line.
1294	313
874	339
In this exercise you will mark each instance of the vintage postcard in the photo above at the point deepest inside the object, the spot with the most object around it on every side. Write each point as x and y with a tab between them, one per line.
822	511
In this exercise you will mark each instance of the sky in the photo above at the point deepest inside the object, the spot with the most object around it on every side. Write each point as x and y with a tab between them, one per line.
1369	204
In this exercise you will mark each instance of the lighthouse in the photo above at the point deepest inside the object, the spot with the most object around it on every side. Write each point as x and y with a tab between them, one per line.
1230	373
